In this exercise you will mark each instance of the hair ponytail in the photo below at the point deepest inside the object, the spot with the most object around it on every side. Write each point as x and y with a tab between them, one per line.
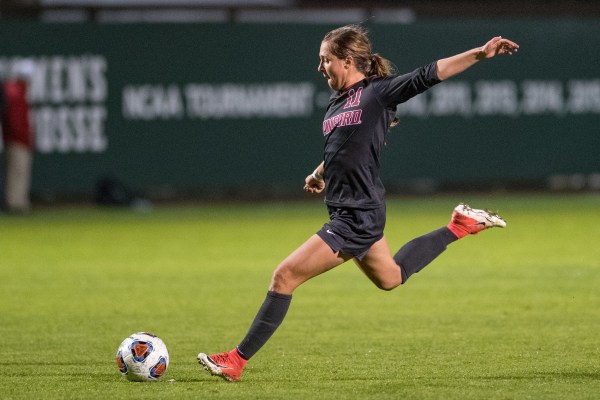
380	66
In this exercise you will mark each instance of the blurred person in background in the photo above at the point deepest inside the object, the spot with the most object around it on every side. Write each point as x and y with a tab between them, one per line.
18	137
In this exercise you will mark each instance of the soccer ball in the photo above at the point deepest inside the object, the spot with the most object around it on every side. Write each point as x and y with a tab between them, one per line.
142	357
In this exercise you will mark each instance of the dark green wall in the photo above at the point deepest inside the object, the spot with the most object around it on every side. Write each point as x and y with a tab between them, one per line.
520	118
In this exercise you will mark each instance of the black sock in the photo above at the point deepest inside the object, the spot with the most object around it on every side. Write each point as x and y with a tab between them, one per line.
419	252
267	320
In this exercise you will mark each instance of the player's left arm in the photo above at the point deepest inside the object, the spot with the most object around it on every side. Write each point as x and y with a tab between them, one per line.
454	65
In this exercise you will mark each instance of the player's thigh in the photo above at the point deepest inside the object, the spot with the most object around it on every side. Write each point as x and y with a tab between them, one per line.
312	258
380	267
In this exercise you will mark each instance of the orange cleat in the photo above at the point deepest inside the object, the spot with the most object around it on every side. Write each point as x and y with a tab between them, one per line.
228	366
470	221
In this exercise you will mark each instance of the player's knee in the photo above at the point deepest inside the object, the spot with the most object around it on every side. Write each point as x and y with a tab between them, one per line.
283	280
388	284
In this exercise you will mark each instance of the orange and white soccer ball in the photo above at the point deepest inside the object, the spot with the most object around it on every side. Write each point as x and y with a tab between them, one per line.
142	357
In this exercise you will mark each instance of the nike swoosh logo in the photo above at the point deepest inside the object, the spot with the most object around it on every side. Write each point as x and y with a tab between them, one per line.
218	365
478	223
329	231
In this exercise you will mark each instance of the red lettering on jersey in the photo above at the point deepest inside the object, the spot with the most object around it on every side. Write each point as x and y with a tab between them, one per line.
353	98
356	117
347	118
327	126
342	119
349	100
356	101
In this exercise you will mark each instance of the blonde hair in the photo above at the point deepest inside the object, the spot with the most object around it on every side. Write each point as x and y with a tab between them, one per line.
353	41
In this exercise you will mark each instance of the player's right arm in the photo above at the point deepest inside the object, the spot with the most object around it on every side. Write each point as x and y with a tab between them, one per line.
314	183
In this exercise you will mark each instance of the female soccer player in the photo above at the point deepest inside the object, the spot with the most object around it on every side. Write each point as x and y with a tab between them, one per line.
360	112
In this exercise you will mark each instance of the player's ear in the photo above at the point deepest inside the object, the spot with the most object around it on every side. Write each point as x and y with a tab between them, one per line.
348	61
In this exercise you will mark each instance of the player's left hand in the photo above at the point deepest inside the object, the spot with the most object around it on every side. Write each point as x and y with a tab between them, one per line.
498	45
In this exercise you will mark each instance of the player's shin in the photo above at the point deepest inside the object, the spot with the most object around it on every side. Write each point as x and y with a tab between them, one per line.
267	320
418	253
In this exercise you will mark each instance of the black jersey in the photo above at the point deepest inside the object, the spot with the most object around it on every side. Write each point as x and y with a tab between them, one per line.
355	126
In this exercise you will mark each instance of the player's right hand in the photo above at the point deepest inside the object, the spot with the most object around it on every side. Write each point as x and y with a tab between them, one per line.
313	185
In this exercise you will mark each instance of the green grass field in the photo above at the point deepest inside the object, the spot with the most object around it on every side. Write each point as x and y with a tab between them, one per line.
507	314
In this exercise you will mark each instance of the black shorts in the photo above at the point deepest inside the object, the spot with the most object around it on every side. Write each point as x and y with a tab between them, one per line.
353	231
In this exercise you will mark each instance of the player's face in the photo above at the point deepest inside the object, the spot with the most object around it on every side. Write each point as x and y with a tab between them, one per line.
333	68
